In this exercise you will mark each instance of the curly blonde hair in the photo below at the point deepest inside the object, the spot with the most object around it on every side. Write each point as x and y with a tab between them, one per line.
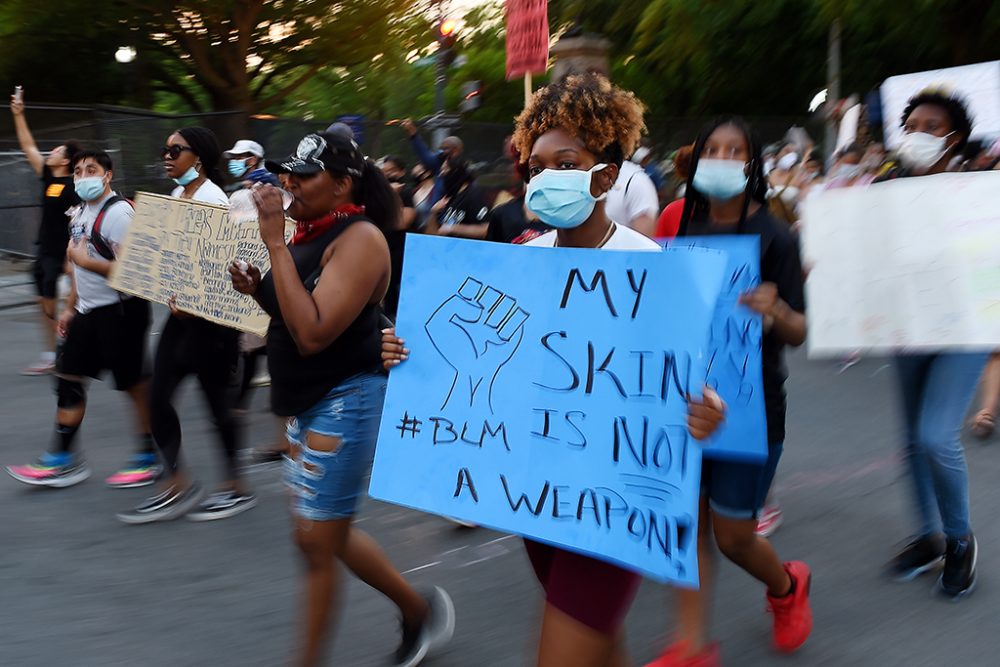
607	119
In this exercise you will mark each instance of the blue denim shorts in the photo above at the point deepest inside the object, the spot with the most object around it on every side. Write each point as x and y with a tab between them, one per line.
738	490
325	485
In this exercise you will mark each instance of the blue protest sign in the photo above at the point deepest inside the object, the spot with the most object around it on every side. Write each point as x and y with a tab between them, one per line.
545	395
735	367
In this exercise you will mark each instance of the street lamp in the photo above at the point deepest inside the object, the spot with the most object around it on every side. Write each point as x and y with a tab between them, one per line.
125	54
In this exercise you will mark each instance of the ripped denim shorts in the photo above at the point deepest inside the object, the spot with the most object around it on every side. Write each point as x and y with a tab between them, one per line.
326	485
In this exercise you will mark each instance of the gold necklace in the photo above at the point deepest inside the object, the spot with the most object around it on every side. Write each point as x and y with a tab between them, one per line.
607	237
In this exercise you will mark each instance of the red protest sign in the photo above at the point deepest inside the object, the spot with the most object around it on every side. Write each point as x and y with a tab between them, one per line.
527	37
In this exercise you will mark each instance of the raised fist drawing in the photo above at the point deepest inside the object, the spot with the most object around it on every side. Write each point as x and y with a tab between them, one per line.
477	330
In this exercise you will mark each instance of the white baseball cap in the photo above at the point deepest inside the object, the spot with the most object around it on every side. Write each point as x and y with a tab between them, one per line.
245	146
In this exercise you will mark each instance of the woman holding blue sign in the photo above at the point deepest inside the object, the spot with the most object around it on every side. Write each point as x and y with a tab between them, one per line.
323	294
574	135
727	194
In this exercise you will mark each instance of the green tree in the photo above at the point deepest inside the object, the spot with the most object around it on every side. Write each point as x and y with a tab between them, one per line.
694	57
212	54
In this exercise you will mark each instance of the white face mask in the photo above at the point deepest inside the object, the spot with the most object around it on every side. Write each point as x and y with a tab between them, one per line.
921	151
787	161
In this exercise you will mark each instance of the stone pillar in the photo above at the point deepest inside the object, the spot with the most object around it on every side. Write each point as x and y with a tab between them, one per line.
581	53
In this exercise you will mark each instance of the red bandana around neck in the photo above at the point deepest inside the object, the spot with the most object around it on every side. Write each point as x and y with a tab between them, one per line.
307	230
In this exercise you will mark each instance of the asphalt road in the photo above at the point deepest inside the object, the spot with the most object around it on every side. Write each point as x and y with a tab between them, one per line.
78	588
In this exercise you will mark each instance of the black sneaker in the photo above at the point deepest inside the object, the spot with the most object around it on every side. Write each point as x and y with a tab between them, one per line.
166	506
432	634
921	555
222	505
959	577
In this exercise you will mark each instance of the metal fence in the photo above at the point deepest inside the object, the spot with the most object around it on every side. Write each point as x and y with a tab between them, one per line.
134	138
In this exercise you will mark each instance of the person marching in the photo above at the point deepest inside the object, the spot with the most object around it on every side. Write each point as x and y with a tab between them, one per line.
55	171
574	135
102	330
727	194
323	294
190	345
937	388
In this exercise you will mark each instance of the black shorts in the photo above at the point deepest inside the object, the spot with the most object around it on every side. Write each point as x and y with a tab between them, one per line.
108	338
48	268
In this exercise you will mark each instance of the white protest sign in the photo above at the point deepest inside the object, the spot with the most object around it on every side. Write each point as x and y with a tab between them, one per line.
978	85
184	248
912	263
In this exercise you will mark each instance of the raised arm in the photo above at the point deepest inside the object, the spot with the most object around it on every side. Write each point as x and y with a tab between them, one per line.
35	157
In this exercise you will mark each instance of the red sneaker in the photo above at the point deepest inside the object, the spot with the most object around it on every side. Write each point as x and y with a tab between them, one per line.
676	655
793	619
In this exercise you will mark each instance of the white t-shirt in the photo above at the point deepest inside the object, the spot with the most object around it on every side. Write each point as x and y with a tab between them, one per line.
207	193
622	238
632	195
92	289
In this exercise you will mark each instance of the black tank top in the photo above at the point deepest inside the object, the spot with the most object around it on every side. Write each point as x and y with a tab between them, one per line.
297	382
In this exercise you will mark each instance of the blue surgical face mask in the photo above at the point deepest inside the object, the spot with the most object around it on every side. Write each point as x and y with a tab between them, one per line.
237	168
720	179
89	188
561	197
188	176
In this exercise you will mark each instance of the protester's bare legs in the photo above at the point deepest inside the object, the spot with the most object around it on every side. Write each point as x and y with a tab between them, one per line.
739	542
620	656
139	393
321	544
566	641
693	604
369	563
48	313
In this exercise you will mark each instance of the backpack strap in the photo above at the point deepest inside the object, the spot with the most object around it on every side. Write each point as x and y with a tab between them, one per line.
629	182
100	244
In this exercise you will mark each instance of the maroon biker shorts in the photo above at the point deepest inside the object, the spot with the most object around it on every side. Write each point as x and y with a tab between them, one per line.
590	591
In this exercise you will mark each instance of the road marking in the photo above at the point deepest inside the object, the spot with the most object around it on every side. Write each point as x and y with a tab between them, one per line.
422	567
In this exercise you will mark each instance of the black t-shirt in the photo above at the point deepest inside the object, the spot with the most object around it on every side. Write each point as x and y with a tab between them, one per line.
299	382
779	264
468	207
58	196
509	224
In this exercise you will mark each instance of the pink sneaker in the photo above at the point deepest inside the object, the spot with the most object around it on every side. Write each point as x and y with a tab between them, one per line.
140	470
53	470
41	367
769	520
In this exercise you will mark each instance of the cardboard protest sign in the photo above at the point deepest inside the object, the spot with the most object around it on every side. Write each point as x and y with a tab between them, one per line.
182	247
906	264
735	363
545	395
527	37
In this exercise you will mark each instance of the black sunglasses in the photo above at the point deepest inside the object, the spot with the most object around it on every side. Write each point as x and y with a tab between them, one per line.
174	151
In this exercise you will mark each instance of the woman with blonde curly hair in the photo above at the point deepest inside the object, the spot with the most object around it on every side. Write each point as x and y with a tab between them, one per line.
573	136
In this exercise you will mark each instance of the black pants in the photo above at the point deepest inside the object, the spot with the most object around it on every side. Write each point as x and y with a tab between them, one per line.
207	351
